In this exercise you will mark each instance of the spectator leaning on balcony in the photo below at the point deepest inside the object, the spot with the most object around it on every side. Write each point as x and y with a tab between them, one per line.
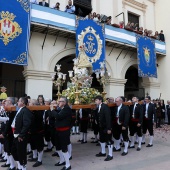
34	1
149	33
95	17
43	3
98	16
145	32
161	36
57	6
127	25
70	8
121	24
108	20
141	29
132	26
156	35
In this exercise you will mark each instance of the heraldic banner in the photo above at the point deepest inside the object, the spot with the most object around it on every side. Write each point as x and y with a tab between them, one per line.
14	31
90	36
146	57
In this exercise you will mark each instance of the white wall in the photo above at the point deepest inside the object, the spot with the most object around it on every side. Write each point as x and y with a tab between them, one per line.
162	23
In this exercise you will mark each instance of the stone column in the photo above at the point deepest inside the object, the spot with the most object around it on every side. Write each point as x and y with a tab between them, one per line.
152	88
115	87
38	82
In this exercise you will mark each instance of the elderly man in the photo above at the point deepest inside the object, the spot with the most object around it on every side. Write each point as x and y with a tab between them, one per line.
121	125
63	118
70	8
21	125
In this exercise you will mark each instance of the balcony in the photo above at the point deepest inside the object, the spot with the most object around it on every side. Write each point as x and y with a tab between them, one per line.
58	23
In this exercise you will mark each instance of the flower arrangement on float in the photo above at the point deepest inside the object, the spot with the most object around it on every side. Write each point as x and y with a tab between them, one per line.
86	95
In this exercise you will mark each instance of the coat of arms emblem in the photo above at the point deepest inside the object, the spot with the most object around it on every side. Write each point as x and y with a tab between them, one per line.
9	29
92	44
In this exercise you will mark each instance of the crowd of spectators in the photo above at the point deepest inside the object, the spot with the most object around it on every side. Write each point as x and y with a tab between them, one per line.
135	28
130	26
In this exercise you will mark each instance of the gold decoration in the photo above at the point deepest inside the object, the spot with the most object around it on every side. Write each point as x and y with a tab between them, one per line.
20	59
25	4
9	29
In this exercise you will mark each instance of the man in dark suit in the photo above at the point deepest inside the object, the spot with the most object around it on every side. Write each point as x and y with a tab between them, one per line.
149	116
43	3
63	118
121	126
136	120
103	117
21	125
168	111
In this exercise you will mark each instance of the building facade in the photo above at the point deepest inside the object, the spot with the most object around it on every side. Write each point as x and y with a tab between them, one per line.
51	44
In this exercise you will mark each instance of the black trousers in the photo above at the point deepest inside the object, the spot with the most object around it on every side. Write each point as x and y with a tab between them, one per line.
135	129
105	137
8	141
37	141
148	125
117	131
84	125
47	133
19	151
95	128
50	134
62	139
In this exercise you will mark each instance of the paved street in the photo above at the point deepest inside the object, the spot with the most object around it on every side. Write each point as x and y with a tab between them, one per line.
155	158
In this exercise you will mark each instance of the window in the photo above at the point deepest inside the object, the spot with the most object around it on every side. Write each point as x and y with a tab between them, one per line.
133	18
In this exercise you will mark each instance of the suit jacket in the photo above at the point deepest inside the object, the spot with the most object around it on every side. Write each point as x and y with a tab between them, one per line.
37	125
138	112
46	4
168	109
23	122
151	111
104	117
124	115
63	117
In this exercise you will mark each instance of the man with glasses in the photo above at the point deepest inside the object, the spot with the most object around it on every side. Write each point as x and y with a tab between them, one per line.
63	120
149	115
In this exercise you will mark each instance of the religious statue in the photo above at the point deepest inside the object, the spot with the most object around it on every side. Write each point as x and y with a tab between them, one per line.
83	61
3	94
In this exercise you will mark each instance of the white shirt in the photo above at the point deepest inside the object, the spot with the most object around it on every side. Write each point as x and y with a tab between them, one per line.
134	110
13	123
80	111
146	112
99	108
118	110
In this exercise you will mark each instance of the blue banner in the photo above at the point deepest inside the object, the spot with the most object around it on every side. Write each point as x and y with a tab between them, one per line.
14	31
91	35
146	57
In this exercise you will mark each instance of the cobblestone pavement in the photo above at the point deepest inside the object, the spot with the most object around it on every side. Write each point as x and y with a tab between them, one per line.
154	158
